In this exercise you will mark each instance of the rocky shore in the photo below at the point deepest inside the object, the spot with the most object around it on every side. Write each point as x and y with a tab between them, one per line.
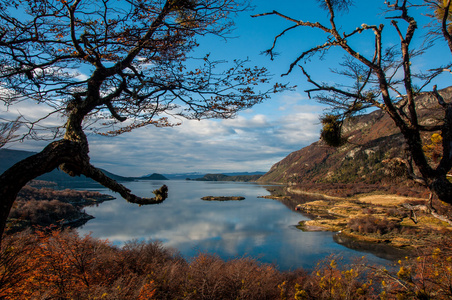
398	221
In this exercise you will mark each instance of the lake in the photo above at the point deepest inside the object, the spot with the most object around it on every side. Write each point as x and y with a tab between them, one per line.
261	228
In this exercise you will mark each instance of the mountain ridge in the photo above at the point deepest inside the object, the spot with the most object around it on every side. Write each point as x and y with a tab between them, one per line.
8	157
224	177
373	142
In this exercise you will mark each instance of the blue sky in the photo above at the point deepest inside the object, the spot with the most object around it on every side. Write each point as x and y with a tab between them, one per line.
258	137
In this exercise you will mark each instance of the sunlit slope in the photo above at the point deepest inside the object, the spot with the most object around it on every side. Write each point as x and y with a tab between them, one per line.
373	143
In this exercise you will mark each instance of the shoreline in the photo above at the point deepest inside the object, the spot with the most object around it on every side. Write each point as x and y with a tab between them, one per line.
70	202
375	218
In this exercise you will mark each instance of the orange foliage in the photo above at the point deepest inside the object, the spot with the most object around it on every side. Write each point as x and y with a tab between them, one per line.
62	265
427	276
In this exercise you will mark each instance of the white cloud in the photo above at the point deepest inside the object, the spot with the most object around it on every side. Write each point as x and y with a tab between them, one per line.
250	142
253	141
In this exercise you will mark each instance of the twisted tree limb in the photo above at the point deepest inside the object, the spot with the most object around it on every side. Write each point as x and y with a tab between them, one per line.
70	157
96	174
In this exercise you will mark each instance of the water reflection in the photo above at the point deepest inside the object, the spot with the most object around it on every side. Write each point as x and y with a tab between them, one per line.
257	227
381	250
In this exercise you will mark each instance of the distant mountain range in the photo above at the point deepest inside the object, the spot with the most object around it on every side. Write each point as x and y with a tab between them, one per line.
9	157
224	177
153	176
373	140
214	177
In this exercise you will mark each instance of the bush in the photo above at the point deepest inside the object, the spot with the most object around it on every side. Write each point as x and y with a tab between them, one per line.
63	265
43	212
397	213
44	207
372	224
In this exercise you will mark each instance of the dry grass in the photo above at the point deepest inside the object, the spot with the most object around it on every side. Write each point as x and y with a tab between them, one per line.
385	200
375	217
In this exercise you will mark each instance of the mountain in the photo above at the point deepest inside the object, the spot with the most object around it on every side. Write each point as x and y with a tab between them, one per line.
9	157
117	177
373	140
224	177
183	176
153	176
196	175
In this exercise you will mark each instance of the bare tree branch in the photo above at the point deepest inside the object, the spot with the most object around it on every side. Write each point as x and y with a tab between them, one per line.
7	131
385	81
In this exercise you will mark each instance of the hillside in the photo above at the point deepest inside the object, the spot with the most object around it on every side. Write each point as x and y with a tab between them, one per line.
9	157
223	177
153	176
373	139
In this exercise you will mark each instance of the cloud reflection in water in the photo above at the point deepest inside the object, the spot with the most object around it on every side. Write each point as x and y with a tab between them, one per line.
256	227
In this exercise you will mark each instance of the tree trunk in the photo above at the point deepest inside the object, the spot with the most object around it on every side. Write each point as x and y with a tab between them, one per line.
442	188
16	177
71	157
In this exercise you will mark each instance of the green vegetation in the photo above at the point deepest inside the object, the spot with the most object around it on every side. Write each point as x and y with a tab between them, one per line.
331	131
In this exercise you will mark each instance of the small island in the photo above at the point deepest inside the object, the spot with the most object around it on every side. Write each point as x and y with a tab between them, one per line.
222	198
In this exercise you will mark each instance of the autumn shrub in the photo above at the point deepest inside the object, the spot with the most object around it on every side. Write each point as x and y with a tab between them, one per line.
15	268
62	265
368	210
246	279
397	213
210	277
205	280
425	276
373	224
442	208
332	280
42	212
143	257
163	265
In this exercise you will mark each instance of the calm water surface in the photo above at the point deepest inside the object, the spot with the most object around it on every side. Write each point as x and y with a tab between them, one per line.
256	227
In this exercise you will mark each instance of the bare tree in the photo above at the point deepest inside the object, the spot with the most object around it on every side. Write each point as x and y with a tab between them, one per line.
7	130
113	66
374	79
